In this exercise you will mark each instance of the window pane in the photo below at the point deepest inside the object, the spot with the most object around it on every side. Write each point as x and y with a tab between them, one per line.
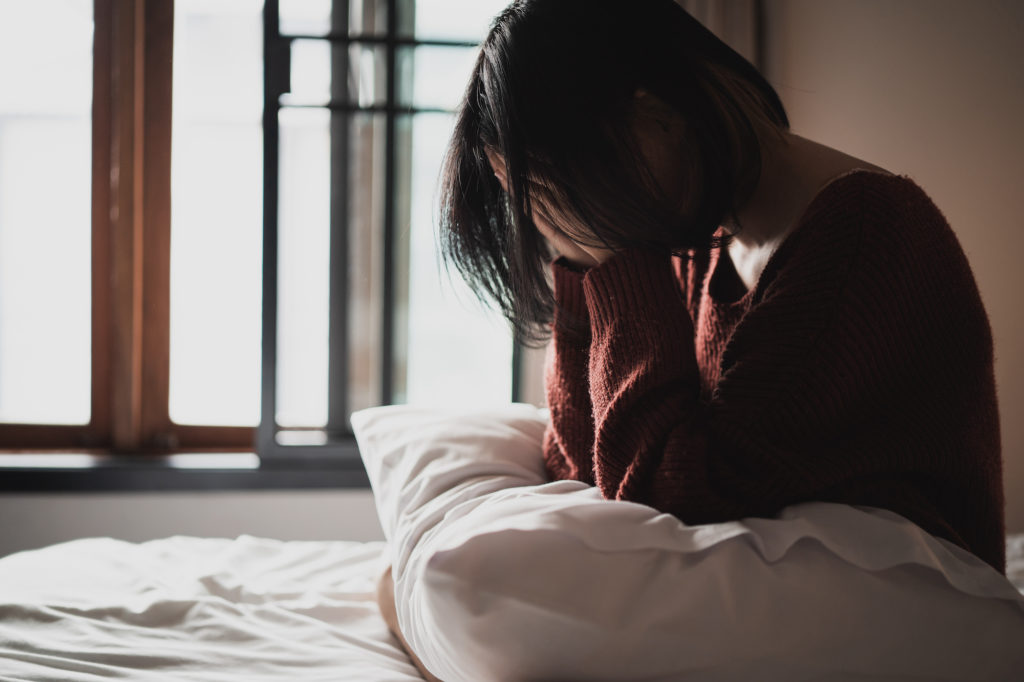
440	74
303	267
311	74
456	19
216	212
45	210
314	17
459	353
304	306
305	17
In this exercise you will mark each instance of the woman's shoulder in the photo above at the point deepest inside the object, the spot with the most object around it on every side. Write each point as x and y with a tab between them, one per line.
873	251
872	216
873	237
866	225
881	204
869	236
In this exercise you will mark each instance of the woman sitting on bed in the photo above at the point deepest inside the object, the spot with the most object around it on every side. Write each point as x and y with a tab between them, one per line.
741	319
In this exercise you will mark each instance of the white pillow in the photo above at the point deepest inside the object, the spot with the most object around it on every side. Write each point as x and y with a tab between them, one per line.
501	576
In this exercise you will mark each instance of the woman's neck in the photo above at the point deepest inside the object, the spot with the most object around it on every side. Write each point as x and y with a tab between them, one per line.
793	171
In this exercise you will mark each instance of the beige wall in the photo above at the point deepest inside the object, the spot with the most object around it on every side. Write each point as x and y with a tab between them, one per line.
932	89
36	520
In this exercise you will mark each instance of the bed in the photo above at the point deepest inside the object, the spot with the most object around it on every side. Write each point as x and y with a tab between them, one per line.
502	575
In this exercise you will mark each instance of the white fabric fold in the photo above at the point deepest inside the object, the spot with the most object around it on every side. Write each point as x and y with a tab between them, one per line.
500	575
197	610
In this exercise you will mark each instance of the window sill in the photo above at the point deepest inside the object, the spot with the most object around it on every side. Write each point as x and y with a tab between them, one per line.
81	472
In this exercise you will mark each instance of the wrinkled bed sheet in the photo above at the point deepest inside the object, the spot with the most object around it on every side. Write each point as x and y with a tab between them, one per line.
197	609
205	609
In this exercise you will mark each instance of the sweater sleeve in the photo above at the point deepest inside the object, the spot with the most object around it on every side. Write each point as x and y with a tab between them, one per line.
867	359
656	441
569	437
644	387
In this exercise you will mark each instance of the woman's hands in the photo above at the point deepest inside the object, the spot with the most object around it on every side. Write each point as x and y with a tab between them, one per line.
544	217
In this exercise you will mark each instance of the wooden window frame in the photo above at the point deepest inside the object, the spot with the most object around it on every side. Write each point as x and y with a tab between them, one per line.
131	237
131	232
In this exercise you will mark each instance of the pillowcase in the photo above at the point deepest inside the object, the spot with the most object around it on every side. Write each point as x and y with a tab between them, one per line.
500	574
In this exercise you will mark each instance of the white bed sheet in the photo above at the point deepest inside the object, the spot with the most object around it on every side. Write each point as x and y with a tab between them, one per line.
197	609
208	609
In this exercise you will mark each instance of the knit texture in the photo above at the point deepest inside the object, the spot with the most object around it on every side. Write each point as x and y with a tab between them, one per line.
858	370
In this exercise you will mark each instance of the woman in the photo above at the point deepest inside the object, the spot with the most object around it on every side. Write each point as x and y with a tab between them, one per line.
741	319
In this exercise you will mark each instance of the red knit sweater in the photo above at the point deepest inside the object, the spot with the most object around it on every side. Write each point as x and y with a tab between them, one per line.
858	370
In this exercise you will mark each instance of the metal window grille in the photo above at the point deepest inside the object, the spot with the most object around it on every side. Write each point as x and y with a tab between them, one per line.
334	445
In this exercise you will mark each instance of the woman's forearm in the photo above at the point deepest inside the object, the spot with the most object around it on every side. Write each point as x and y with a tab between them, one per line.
569	440
386	602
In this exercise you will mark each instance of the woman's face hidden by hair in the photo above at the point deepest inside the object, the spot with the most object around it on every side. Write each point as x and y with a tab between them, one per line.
658	134
641	127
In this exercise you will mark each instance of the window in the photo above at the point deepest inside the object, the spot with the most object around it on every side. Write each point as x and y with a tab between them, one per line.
359	101
205	240
86	230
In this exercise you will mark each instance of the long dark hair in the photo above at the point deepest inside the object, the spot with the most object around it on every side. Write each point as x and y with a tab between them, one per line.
553	92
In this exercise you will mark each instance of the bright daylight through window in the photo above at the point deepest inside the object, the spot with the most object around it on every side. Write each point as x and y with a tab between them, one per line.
81	197
45	210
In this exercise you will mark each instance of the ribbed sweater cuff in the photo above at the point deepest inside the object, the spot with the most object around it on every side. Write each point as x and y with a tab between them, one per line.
568	290
635	285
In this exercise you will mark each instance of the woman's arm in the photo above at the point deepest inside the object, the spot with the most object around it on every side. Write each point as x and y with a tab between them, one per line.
569	439
386	603
867	358
653	436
